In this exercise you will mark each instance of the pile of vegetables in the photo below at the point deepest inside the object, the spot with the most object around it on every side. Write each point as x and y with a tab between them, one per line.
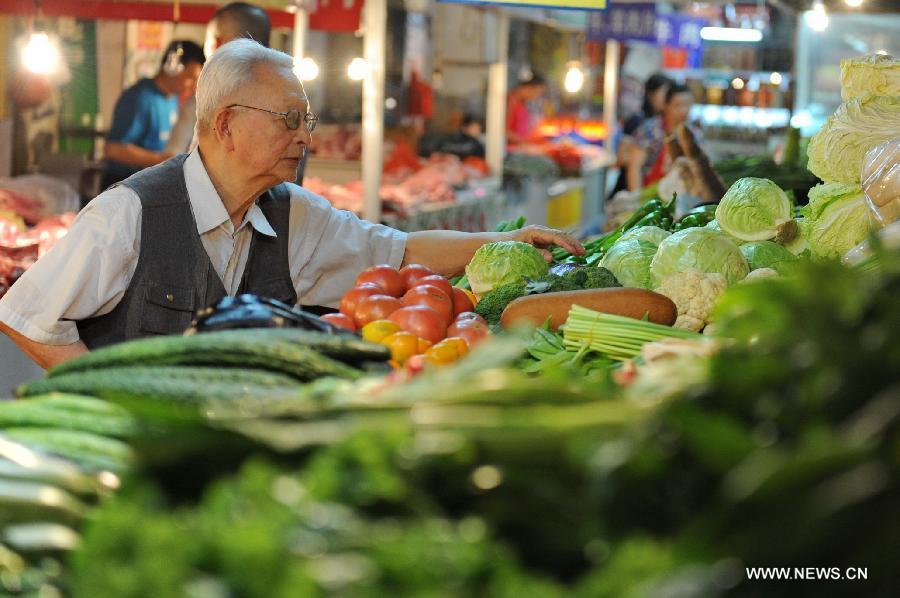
478	478
414	312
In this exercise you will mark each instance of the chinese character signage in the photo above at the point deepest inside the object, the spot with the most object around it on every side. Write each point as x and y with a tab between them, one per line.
592	5
640	22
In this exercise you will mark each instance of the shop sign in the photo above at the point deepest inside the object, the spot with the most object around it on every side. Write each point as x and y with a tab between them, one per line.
640	22
592	5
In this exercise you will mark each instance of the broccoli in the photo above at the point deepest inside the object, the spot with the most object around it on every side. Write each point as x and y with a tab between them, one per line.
491	306
576	279
598	278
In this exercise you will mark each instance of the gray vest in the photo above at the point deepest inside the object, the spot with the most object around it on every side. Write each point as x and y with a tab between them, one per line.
174	276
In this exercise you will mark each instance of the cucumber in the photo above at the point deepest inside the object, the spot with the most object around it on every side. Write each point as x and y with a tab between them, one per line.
22	501
175	394
73	403
49	412
302	354
90	451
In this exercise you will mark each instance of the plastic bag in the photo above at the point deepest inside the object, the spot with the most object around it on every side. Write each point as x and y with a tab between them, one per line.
881	182
55	196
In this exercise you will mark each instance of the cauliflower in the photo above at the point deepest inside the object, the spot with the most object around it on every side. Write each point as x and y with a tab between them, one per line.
760	274
694	294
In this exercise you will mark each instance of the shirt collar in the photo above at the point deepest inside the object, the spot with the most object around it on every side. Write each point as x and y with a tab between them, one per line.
209	211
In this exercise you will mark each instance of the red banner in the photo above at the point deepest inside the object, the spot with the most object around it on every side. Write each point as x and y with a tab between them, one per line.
330	15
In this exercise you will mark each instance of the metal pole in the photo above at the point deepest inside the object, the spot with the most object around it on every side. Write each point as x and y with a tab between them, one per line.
374	23
611	89
301	28
495	121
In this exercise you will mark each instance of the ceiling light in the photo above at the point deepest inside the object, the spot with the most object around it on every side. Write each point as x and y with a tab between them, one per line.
854	3
40	55
817	18
308	70
574	79
775	78
358	69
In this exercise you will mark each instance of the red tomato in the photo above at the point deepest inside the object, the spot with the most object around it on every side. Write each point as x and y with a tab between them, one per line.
385	277
472	331
470	315
413	272
352	298
341	321
375	307
461	302
438	281
422	321
430	296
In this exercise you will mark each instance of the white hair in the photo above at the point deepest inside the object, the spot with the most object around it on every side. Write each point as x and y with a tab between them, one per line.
228	70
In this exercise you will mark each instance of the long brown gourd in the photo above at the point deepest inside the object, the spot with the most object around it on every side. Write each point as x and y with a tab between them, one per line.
632	303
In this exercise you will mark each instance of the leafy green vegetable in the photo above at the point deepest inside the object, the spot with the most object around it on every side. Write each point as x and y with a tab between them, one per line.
837	218
498	263
701	248
768	254
836	152
492	304
651	234
877	74
753	209
629	259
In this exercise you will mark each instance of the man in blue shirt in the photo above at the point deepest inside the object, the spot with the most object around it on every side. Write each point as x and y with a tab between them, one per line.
145	113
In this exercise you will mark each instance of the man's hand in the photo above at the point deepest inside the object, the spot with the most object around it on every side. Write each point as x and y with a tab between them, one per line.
543	237
45	356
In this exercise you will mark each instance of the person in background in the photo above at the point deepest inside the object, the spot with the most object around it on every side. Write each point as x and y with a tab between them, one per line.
232	21
650	162
466	142
145	112
655	89
520	123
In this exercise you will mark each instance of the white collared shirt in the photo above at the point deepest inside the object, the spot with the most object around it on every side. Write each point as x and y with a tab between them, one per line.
88	271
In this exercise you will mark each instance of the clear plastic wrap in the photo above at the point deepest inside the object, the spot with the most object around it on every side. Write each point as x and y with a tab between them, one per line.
881	182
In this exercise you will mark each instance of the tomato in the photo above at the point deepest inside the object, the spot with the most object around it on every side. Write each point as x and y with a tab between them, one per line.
461	302
471	296
403	345
462	347
470	315
438	281
430	296
375	307
374	332
441	354
340	320
422	321
413	272
352	298
415	364
385	277
423	346
472	331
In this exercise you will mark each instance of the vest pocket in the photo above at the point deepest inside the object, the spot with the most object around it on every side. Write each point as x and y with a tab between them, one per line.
167	309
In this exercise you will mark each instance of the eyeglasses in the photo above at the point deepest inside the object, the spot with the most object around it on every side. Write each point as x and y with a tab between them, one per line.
291	118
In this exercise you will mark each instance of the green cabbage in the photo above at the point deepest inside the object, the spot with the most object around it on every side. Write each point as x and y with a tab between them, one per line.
836	152
700	248
498	263
714	225
652	234
753	209
629	260
878	74
768	254
837	218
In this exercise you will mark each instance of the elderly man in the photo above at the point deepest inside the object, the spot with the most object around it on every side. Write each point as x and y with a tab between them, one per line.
143	256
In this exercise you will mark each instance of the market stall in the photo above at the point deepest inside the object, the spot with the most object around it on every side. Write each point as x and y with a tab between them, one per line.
691	399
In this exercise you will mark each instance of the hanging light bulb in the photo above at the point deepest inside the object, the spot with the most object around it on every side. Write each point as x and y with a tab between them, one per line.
358	69
40	55
817	18
574	78
308	69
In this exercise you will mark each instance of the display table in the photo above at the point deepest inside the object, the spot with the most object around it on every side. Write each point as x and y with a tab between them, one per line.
475	209
15	368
